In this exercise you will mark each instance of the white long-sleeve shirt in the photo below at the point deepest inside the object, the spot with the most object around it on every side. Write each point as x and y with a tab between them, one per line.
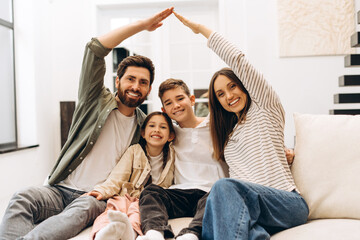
195	168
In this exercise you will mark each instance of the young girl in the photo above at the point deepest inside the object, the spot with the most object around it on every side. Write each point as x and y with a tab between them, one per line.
247	128
150	161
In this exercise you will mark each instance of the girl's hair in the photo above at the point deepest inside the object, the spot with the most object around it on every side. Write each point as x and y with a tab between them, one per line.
142	141
223	122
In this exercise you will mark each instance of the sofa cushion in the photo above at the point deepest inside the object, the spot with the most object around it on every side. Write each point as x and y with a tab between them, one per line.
325	229
327	164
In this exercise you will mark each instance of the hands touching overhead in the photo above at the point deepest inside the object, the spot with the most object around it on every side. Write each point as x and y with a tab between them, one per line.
154	22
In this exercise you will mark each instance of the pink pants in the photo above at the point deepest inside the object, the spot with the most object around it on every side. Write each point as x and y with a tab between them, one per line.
126	204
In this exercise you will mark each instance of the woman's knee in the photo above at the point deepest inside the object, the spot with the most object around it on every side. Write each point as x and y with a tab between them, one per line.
227	186
224	184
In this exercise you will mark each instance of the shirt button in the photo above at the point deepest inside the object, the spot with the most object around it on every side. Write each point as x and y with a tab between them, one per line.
91	143
99	126
70	170
81	158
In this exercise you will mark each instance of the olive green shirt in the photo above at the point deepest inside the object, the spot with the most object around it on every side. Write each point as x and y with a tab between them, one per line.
95	102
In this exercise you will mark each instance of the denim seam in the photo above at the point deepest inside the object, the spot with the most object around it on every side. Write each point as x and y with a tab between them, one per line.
241	221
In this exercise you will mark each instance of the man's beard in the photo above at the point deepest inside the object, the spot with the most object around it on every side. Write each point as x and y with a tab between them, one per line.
128	101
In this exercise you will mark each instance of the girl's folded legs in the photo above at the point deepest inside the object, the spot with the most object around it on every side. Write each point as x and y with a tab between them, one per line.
118	228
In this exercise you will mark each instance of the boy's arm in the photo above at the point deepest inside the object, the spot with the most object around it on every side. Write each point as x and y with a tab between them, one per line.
115	37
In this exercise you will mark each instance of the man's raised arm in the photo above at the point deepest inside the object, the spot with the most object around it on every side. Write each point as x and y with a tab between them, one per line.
116	36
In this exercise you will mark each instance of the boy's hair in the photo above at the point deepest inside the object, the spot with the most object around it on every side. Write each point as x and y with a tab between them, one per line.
222	122
136	61
172	83
142	141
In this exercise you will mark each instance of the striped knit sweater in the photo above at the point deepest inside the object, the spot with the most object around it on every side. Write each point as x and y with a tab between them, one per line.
255	150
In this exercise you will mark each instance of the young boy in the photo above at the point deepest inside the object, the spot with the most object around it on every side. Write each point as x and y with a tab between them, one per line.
195	170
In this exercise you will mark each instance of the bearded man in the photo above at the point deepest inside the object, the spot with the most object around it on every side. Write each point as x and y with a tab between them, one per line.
104	126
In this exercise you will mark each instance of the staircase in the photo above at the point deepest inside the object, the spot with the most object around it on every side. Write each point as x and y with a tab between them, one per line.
351	60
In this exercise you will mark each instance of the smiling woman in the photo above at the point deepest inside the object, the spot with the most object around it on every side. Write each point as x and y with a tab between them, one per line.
250	138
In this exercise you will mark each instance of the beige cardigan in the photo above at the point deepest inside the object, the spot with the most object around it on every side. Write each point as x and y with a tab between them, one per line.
131	173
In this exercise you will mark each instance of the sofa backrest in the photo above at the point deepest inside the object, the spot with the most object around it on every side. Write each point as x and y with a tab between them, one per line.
326	168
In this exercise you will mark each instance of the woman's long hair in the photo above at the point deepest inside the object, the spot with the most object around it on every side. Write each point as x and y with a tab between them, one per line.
142	140
223	122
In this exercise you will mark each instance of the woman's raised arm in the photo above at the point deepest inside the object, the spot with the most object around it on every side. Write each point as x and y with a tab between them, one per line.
195	27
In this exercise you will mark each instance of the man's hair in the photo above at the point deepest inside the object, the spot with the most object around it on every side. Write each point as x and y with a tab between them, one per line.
136	61
172	83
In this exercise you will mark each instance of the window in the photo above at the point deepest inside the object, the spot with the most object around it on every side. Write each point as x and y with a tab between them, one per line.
8	134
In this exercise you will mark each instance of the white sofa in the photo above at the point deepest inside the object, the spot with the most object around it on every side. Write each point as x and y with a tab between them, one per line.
326	171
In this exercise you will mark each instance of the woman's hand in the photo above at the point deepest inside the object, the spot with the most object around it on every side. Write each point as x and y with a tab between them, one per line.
192	25
195	27
95	194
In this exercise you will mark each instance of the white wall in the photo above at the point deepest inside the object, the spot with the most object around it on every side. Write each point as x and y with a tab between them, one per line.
51	35
50	39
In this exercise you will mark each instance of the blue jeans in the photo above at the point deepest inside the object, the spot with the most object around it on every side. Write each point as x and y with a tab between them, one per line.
247	211
48	212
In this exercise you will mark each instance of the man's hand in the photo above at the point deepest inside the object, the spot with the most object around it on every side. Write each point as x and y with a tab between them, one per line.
155	21
116	36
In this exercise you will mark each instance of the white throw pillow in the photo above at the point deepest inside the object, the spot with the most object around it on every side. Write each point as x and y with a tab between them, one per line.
326	168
